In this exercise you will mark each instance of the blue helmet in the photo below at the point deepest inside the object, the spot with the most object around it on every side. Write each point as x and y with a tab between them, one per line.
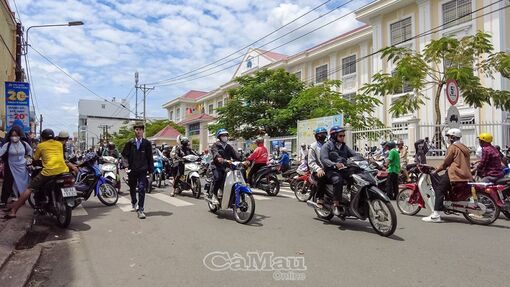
221	132
320	130
336	129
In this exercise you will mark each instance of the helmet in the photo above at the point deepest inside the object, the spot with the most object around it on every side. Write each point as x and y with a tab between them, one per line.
320	130
284	149
454	132
47	134
221	132
383	143
303	145
400	142
486	137
390	144
111	145
184	141
334	130
90	157
259	140
63	135
239	149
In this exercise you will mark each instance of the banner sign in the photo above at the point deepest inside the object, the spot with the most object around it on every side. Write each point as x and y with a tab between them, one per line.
17	105
305	128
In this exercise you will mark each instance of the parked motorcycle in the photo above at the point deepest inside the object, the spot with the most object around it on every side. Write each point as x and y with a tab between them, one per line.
362	197
90	180
57	196
190	180
235	195
266	179
110	170
470	200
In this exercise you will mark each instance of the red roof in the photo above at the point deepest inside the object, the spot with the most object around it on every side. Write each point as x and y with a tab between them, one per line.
197	118
167	132
273	55
193	95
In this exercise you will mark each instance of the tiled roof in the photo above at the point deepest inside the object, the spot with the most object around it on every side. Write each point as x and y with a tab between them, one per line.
168	132
197	118
193	95
272	55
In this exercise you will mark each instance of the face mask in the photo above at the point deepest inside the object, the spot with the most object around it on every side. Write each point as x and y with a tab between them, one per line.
224	139
322	138
15	139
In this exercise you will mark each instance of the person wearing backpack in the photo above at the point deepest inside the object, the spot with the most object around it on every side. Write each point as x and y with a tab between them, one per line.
14	153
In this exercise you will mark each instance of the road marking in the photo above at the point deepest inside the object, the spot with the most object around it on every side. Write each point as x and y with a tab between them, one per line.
260	197
172	200
124	204
80	211
286	195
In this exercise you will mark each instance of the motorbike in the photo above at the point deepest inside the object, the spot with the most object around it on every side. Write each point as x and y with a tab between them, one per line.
190	179
303	190
236	195
290	176
469	199
57	196
90	180
266	179
158	175
363	199
110	170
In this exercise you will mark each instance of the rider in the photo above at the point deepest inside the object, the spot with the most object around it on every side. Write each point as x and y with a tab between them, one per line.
221	151
315	165
457	165
259	158
284	160
303	153
489	166
181	151
334	155
50	152
111	151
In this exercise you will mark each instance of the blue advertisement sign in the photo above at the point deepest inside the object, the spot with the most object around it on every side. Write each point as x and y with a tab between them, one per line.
17	105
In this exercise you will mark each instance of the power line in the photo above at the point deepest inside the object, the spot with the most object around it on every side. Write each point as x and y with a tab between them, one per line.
117	111
75	80
17	11
265	52
242	49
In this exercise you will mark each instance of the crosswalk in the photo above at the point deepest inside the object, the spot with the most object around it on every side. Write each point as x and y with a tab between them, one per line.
124	202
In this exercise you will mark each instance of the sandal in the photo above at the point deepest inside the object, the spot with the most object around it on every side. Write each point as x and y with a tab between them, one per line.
320	204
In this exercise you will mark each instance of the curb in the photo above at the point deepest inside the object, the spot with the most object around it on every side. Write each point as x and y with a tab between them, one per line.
18	270
12	232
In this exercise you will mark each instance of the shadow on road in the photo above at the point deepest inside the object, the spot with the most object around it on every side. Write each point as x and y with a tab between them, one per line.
356	225
158	213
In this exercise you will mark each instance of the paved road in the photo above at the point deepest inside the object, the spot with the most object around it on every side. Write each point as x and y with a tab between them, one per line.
110	246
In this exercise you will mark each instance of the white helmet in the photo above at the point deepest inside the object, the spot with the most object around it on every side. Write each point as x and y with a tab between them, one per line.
284	149
478	152
454	132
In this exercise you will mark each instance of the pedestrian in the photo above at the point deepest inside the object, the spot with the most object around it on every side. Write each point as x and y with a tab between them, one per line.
393	163
13	154
137	154
421	148
402	149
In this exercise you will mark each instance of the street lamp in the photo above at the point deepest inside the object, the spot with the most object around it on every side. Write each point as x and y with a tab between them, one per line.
71	23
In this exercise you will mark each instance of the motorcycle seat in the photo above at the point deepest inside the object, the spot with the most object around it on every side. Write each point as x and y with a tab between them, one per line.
81	187
503	181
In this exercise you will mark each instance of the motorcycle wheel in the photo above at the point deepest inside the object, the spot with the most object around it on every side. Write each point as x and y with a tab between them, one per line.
403	204
244	213
492	211
325	213
212	207
506	213
63	212
108	194
303	191
273	185
31	200
159	179
379	214
196	187
293	183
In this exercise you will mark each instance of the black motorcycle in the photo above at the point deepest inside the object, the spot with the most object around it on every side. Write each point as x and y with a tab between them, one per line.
267	180
57	197
362	199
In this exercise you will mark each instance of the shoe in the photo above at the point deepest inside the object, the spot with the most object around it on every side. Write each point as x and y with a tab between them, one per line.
135	208
141	215
337	211
432	218
214	200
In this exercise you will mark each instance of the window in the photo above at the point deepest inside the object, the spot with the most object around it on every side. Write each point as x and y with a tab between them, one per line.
401	31
321	73
210	109
456	12
103	106
220	104
405	87
171	115
194	129
349	65
178	115
349	96
298	75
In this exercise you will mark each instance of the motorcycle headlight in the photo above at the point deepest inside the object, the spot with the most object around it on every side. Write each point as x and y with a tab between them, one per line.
360	181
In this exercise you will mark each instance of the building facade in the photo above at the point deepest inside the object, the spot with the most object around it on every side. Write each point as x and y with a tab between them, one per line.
349	58
7	53
98	120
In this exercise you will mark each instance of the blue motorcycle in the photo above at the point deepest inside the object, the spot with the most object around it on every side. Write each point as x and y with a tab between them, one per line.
90	180
158	173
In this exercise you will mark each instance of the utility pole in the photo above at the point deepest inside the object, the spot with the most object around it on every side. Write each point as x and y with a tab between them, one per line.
136	95
145	90
19	40
40	123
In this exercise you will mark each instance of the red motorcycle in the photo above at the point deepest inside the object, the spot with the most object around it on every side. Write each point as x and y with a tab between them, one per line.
303	190
475	201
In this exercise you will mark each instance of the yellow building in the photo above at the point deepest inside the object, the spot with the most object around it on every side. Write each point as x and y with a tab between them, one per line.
7	53
347	58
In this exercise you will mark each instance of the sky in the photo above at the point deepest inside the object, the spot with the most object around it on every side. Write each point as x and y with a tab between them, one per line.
160	39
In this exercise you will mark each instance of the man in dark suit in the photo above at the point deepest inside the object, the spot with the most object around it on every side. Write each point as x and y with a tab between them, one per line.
137	154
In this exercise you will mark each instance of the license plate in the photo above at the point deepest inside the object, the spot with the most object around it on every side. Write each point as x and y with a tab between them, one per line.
69	192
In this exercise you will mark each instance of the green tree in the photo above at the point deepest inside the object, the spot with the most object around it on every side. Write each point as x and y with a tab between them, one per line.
153	127
464	60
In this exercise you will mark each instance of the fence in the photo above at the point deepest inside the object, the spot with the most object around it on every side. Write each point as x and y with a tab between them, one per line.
412	130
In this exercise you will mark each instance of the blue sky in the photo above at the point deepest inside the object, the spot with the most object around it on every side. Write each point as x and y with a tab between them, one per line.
159	39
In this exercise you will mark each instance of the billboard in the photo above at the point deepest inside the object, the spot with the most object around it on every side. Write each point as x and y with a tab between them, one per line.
305	128
17	105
